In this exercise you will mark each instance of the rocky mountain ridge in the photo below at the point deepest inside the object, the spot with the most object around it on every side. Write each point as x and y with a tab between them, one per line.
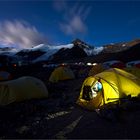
80	51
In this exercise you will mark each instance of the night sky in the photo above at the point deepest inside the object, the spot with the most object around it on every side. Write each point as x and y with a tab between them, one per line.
26	23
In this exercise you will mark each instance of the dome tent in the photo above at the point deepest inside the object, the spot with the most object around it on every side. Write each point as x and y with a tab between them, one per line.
116	84
21	89
113	64
96	69
61	73
135	63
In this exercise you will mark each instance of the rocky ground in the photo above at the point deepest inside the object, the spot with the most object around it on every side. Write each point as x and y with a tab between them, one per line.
58	117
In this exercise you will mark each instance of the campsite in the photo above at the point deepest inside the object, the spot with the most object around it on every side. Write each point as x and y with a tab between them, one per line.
58	116
69	69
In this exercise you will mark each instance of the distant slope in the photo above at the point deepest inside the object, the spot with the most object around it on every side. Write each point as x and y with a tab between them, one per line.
64	55
78	51
130	54
119	47
57	54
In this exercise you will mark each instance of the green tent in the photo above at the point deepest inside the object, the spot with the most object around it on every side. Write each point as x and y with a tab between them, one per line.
21	89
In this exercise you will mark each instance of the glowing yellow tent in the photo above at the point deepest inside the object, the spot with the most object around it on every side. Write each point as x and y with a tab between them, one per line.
96	69
61	73
107	87
21	89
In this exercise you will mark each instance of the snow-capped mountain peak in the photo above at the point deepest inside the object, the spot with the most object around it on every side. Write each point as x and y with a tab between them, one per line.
50	50
94	51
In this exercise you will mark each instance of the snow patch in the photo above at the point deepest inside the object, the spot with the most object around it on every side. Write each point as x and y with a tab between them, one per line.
94	51
50	50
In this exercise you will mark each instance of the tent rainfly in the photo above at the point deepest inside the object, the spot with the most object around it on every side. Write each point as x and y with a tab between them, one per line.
108	87
23	88
61	73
